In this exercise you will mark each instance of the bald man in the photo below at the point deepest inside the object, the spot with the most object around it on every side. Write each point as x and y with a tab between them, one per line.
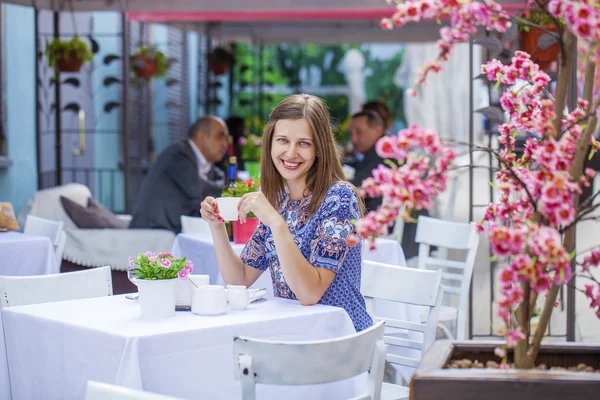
182	176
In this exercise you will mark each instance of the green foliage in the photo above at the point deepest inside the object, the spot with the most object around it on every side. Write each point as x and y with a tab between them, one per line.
150	54
74	48
536	16
251	147
242	187
380	83
151	266
282	66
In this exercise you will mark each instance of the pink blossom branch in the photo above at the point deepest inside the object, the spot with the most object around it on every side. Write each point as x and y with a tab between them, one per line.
543	7
575	172
564	74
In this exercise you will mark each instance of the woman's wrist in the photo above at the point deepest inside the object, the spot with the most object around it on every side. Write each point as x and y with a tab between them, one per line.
279	226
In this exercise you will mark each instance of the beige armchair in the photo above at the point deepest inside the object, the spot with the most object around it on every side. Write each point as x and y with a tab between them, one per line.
95	247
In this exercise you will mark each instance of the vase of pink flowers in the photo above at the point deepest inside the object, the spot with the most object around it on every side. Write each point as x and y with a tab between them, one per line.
157	276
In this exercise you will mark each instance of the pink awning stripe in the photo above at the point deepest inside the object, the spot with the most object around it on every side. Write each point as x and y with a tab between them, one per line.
353	14
276	15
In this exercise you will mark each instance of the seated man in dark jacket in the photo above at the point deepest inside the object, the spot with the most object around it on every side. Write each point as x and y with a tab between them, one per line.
366	128
182	176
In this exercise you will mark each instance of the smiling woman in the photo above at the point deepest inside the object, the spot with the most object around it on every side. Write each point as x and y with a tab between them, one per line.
306	209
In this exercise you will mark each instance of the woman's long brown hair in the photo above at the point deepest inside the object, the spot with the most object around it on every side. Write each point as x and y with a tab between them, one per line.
327	168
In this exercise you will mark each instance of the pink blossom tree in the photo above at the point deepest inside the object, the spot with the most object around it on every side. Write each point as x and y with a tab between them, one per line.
532	226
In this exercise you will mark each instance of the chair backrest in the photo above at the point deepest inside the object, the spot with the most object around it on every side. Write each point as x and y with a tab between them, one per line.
305	363
457	275
411	286
24	290
104	391
194	225
43	227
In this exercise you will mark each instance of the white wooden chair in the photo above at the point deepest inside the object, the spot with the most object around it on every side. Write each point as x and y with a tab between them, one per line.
24	290
104	391
305	363
51	229
457	275
194	225
409	286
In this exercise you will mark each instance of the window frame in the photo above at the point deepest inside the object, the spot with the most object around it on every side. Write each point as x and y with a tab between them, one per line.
5	161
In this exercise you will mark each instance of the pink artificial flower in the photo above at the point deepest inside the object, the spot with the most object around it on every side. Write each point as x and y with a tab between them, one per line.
514	336
353	240
183	274
189	266
386	24
500	352
386	147
242	141
165	263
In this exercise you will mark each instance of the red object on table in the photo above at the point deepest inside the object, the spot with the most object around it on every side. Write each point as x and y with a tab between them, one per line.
243	232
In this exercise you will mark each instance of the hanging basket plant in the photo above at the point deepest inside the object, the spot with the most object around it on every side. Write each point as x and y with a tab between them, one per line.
542	46
219	60
68	55
148	63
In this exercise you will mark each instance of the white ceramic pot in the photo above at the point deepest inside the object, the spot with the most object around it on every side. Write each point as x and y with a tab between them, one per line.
157	297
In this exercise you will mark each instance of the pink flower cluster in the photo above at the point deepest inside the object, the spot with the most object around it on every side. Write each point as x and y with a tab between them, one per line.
161	265
582	17
537	184
592	291
410	183
465	18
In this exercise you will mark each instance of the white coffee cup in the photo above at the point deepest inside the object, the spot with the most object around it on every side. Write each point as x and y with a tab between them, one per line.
238	297
185	288
209	300
228	208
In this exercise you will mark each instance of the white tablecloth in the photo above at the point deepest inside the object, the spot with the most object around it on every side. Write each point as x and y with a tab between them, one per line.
26	255
200	250
54	348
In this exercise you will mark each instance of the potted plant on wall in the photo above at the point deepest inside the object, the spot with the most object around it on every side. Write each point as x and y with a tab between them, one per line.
68	55
531	227
243	232
156	276
149	62
251	151
219	60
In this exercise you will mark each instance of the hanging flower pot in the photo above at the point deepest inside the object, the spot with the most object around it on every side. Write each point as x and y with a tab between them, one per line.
148	62
530	44
69	65
68	55
219	61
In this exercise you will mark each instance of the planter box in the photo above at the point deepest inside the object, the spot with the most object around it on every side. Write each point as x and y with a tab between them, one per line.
433	381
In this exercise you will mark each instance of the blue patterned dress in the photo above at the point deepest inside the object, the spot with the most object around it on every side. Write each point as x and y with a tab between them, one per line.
322	240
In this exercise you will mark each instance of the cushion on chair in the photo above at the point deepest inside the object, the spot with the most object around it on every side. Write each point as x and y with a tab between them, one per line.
94	216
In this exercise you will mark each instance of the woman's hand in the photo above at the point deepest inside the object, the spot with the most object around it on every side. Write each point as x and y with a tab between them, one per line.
258	204
209	210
